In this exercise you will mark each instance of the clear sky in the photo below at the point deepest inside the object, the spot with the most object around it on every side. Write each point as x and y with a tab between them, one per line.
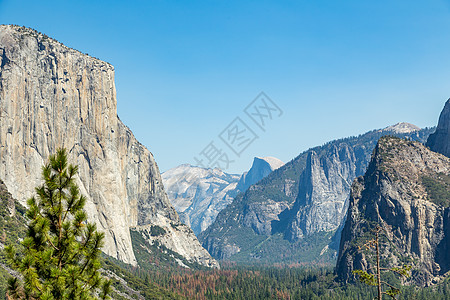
186	69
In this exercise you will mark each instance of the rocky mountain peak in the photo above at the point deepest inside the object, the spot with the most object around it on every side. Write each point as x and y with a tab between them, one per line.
273	162
303	201
261	167
199	194
440	140
402	127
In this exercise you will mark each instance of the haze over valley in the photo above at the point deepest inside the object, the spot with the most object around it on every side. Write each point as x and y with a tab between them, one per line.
224	151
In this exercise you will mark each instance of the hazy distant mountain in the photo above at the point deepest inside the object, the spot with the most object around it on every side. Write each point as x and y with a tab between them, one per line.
199	194
292	214
262	166
401	128
406	191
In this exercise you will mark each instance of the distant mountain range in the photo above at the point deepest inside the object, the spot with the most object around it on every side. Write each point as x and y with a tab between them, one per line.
199	194
293	214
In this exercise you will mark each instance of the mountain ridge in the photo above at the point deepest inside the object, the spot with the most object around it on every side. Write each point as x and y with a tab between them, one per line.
199	194
406	193
261	167
290	205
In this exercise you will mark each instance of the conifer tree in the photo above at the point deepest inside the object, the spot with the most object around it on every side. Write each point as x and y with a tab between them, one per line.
372	276
60	258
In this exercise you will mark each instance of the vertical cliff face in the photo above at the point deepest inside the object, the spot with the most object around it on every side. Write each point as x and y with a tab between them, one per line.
52	96
199	194
323	191
440	140
406	191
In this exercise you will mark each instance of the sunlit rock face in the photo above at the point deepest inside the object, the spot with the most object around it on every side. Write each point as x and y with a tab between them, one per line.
52	96
261	167
301	201
200	194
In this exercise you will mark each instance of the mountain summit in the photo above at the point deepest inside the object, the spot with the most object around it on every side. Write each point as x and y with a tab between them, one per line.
198	194
406	191
261	167
291	215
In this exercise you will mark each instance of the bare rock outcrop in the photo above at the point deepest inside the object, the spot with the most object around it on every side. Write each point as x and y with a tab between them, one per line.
324	186
52	96
406	191
440	140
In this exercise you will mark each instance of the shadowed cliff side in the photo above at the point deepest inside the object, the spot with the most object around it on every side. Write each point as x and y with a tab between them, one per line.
440	140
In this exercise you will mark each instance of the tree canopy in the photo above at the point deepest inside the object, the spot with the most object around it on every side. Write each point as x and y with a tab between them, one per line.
60	257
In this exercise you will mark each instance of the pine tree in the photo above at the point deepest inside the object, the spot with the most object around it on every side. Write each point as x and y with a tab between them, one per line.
60	258
372	276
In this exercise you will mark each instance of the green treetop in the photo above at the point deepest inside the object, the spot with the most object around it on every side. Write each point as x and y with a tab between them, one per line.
60	258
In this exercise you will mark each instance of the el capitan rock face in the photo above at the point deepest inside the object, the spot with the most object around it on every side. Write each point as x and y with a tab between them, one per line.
406	191
52	96
440	140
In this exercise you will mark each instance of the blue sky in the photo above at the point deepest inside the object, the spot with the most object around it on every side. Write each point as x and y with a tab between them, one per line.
186	69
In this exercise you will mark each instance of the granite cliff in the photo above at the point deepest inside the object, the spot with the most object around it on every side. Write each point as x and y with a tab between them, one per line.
406	191
440	140
52	96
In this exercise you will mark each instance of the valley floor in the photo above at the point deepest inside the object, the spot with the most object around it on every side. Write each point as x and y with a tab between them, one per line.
274	282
